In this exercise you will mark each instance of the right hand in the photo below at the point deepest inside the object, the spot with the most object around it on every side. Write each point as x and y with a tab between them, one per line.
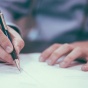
6	47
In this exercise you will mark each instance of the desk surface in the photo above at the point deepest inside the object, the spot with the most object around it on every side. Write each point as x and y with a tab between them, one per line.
39	75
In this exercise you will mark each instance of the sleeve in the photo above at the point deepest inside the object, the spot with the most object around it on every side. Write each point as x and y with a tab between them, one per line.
14	9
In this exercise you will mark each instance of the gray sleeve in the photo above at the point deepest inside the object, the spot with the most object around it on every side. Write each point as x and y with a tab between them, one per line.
14	9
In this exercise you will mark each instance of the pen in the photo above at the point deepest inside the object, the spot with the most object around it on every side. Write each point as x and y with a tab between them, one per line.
5	31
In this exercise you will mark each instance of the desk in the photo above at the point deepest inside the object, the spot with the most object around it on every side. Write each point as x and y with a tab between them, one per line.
39	75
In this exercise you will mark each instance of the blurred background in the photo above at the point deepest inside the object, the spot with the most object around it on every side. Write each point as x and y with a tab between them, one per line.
51	21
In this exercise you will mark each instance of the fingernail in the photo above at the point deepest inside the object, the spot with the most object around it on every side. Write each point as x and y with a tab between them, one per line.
49	62
8	49
41	59
63	64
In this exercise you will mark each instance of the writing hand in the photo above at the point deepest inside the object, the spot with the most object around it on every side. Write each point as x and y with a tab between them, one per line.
6	47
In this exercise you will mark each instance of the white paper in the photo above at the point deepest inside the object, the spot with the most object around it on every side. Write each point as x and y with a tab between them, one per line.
37	74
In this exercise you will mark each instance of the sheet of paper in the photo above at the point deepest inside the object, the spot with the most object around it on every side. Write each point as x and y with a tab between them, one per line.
10	77
54	76
39	75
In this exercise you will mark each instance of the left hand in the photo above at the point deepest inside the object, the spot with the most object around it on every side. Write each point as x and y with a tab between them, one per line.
73	51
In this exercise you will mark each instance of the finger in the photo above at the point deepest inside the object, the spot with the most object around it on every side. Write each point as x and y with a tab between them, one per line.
76	53
85	67
48	52
5	56
16	39
18	45
5	42
59	53
2	61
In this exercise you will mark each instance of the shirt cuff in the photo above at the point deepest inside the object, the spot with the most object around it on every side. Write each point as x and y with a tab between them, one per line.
15	27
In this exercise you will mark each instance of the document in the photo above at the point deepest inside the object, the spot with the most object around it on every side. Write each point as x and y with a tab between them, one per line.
37	74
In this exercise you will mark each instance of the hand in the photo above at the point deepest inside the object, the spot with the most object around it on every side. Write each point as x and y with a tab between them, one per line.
6	47
73	51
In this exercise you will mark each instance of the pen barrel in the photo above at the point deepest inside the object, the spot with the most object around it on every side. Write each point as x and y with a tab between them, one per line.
8	35
13	53
5	31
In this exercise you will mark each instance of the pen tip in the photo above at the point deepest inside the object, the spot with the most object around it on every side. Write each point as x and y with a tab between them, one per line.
18	64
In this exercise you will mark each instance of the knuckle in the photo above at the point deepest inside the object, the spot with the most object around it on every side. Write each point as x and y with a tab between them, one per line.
67	46
2	39
69	58
66	61
22	43
55	54
46	52
5	42
55	45
79	50
0	32
6	56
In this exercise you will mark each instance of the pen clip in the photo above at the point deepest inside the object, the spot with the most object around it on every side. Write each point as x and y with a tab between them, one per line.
2	21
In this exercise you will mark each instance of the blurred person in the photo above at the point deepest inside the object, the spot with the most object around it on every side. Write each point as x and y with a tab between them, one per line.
58	21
